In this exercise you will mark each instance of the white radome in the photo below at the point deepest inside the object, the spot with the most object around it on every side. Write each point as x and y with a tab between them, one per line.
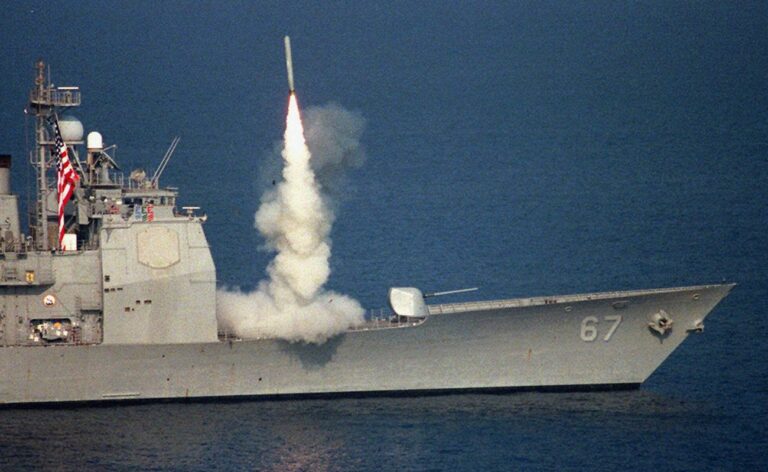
71	129
95	141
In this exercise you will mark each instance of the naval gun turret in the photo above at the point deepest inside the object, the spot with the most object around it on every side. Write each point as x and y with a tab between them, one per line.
409	302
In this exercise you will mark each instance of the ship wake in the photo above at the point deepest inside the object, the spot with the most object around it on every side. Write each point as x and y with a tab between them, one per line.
295	219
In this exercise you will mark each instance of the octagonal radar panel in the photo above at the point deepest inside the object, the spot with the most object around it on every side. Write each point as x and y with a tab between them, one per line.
408	302
158	247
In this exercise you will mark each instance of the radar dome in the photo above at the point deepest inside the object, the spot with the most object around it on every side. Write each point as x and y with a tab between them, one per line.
71	128
95	142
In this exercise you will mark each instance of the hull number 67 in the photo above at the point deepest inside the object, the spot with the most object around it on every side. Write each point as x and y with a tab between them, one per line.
591	327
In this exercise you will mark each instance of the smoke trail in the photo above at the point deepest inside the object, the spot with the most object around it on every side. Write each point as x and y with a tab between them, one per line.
333	137
295	219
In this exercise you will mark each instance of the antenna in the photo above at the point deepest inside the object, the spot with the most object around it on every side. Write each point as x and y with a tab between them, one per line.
164	162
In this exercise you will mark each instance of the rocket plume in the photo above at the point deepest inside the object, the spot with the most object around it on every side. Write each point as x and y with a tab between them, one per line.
296	223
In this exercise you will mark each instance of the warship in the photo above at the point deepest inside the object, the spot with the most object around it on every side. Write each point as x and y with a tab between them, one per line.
111	297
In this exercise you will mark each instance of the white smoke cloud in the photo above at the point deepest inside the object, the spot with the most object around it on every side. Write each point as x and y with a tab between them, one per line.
258	315
295	218
333	137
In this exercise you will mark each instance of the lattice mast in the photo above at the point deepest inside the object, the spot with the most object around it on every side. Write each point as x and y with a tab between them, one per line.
43	100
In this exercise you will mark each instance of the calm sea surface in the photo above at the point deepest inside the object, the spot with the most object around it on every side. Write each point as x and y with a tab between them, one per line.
528	149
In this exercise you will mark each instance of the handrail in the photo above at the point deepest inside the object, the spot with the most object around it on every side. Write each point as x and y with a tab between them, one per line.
55	97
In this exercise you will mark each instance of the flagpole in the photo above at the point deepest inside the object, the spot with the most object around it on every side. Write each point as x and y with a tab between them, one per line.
66	177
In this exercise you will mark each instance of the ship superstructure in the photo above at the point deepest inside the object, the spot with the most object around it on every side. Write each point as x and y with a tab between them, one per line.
136	270
112	296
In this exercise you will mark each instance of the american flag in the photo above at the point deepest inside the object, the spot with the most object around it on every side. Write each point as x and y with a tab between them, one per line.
66	177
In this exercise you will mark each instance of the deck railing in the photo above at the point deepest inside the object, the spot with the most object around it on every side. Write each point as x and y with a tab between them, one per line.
55	97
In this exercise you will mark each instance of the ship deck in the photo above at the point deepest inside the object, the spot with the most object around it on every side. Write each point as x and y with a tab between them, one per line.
383	318
551	300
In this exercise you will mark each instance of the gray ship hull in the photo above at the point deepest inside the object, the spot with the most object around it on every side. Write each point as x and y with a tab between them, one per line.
603	340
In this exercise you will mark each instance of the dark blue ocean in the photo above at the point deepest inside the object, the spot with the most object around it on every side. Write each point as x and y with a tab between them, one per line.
527	148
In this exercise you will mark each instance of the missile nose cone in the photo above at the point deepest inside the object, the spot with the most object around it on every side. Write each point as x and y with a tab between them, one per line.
289	63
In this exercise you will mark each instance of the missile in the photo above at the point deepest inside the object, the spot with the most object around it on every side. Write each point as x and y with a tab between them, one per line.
289	64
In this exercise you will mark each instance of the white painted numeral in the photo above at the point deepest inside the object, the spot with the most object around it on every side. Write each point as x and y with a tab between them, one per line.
590	324
616	319
589	329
